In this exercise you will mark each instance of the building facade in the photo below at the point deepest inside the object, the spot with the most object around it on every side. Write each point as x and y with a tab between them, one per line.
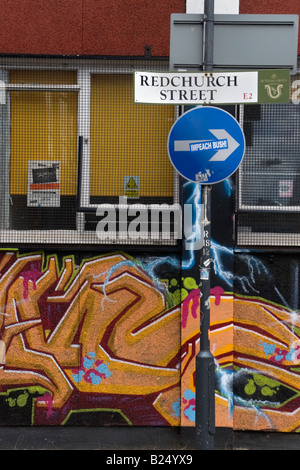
100	305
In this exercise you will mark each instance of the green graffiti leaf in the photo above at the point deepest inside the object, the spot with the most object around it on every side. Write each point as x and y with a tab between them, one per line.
262	380
250	388
22	399
190	283
267	391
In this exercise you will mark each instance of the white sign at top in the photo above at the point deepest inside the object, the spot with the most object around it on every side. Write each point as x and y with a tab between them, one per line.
195	88
221	6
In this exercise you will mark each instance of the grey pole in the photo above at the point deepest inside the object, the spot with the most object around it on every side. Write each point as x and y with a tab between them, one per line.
205	366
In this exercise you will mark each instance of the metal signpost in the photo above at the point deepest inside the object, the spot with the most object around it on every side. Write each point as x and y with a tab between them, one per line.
205	364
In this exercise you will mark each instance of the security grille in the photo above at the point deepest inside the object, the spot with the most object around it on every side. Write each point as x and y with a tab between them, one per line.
76	149
268	202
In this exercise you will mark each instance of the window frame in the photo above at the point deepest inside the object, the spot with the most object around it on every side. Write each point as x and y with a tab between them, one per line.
252	207
84	68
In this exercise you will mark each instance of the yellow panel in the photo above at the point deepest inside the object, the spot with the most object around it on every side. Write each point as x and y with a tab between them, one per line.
128	139
50	77
43	127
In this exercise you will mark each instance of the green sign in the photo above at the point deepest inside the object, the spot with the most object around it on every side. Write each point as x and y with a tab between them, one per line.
273	86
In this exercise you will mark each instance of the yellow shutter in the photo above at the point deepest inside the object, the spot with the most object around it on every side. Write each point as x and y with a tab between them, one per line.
128	140
43	127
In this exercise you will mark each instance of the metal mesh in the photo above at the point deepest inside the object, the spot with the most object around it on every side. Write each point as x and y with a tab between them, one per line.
268	202
72	139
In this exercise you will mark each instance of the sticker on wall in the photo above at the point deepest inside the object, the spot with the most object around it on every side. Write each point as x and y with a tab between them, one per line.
2	92
132	186
43	184
286	188
204	274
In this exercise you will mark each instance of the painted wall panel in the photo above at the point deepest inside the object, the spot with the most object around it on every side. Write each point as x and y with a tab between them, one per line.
221	307
83	340
103	340
266	342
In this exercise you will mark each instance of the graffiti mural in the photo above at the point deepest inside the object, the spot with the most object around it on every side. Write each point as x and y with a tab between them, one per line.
256	346
87	338
255	331
221	306
267	383
221	343
266	342
112	339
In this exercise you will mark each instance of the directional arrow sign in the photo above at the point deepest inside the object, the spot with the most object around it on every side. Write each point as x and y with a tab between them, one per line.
206	145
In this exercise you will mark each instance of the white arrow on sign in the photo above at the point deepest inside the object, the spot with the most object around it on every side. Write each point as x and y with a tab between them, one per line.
221	155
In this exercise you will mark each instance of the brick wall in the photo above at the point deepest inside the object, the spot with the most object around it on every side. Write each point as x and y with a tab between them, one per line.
86	27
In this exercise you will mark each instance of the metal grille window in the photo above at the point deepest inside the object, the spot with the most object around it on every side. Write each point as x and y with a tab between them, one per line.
268	202
73	139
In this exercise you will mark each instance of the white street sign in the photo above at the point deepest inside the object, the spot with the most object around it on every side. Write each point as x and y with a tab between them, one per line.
195	88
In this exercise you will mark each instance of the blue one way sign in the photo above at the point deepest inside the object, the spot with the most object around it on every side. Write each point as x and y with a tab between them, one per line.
206	145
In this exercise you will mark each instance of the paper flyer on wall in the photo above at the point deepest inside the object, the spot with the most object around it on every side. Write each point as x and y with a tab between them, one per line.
43	183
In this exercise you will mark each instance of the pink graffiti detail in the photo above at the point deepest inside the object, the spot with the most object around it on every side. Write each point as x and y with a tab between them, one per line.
29	276
279	356
296	355
91	370
217	292
194	297
189	403
47	398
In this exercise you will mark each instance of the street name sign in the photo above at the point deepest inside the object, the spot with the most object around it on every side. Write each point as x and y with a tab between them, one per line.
195	88
206	145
